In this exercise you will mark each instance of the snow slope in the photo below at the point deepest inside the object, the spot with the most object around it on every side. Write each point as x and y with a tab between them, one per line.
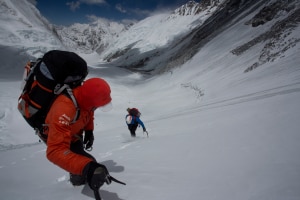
23	28
216	132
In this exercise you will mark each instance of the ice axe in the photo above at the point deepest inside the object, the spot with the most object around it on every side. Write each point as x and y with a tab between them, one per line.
146	133
110	179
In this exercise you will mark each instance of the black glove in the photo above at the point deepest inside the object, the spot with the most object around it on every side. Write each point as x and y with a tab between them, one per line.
97	175
144	129
88	139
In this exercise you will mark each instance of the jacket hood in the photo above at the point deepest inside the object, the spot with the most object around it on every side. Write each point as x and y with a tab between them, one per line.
93	93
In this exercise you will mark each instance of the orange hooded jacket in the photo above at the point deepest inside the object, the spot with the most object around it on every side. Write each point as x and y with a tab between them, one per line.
93	93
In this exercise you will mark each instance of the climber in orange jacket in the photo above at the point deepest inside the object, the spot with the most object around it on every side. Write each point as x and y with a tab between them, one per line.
65	143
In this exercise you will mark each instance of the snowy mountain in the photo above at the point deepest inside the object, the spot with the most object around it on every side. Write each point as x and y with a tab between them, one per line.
222	115
182	33
111	39
150	38
190	27
22	26
24	33
88	38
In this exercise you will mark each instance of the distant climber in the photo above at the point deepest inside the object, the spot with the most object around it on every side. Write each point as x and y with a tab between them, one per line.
133	120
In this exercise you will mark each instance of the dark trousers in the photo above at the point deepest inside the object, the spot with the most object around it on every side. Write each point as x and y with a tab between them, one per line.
132	128
77	147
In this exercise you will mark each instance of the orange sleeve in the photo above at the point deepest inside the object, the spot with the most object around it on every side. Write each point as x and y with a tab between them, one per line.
90	125
59	137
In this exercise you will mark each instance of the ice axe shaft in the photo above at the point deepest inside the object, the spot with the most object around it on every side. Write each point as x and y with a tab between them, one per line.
146	133
96	191
97	194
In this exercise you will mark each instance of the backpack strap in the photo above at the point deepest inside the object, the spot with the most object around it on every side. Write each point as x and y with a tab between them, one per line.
133	119
70	93
59	89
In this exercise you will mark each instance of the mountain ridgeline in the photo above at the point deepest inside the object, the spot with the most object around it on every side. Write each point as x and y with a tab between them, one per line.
277	19
168	40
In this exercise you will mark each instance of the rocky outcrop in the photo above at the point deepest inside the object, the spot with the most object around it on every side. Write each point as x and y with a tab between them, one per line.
268	12
276	39
215	24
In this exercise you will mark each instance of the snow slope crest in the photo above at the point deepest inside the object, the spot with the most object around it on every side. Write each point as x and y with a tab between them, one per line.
194	8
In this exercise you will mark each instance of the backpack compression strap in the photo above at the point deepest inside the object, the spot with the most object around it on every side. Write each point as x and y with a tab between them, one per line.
70	93
58	89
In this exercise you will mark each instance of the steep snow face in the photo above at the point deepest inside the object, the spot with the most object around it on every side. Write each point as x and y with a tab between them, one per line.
172	39
216	132
269	23
22	27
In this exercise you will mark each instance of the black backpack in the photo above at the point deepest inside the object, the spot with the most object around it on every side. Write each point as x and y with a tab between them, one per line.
57	72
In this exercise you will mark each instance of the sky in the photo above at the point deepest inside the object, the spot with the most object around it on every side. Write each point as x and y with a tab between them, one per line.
67	12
